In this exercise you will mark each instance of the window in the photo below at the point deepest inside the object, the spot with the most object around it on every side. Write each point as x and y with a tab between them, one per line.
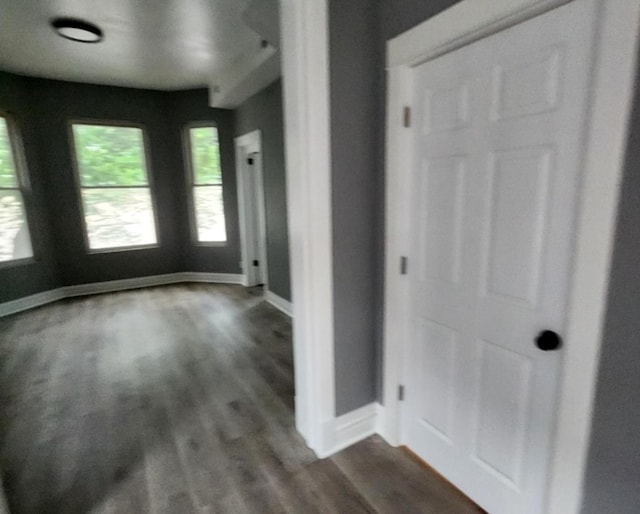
114	185
15	241
206	182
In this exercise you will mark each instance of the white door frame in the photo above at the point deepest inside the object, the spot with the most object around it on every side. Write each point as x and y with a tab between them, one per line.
305	65
245	145
611	96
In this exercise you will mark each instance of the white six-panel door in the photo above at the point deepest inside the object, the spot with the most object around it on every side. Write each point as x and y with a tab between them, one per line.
498	136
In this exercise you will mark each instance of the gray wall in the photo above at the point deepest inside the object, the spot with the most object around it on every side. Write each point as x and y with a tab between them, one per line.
40	275
55	103
185	107
263	111
358	31
613	470
353	87
397	16
43	109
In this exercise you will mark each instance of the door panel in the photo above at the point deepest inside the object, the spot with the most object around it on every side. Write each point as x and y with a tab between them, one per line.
446	107
442	189
500	432
497	141
437	360
517	202
529	84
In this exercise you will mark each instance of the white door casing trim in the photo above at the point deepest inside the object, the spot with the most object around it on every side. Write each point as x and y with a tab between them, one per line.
110	286
244	145
613	83
460	25
611	97
305	65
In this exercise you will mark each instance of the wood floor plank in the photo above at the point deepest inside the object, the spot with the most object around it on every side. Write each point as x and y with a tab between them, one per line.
385	478
178	399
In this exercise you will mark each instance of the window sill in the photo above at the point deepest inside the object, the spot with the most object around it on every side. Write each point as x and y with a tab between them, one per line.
14	263
120	249
212	244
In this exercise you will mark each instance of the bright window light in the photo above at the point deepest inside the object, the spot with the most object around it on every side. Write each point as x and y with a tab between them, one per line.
15	240
206	182
114	185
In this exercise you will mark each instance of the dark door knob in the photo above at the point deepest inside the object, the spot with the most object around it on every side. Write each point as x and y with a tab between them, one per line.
548	340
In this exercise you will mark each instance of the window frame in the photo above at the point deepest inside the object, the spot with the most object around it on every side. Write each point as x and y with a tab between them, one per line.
191	185
24	186
79	187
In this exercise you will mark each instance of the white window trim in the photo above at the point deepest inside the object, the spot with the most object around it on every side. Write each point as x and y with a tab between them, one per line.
613	82
190	177
24	186
150	183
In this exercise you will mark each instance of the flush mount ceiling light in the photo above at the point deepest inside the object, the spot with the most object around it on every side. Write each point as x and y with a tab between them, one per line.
77	30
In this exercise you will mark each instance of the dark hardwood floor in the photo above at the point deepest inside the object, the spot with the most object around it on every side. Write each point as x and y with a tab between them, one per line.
178	399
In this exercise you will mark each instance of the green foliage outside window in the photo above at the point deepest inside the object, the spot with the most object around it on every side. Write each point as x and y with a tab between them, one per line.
15	241
116	197
7	166
205	156
110	156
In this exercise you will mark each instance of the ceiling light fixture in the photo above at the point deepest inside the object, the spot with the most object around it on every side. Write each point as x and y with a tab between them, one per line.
77	30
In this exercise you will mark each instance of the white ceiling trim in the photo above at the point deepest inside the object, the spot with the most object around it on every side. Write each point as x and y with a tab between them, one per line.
235	84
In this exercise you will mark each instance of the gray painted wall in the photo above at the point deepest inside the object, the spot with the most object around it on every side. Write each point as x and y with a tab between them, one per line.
358	31
41	274
612	481
263	111
353	65
55	103
43	109
397	16
186	107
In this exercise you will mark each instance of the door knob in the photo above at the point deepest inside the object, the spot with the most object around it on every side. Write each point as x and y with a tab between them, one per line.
548	340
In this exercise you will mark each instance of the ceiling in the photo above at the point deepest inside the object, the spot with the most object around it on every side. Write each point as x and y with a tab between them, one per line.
154	44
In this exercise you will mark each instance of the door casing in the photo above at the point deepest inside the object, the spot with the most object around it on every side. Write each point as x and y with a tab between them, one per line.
612	82
253	230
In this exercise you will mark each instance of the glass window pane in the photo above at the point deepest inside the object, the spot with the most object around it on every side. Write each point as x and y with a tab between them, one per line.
205	155
110	156
7	166
118	217
15	242
209	214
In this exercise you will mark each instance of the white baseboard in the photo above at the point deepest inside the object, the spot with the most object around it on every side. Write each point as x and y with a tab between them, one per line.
348	429
36	300
120	285
279	303
30	302
211	278
382	426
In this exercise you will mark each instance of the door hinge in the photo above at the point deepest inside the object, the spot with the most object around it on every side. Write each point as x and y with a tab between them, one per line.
404	265
406	116
401	393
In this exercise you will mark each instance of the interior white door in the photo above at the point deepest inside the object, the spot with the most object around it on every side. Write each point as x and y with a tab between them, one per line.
252	209
498	134
257	212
